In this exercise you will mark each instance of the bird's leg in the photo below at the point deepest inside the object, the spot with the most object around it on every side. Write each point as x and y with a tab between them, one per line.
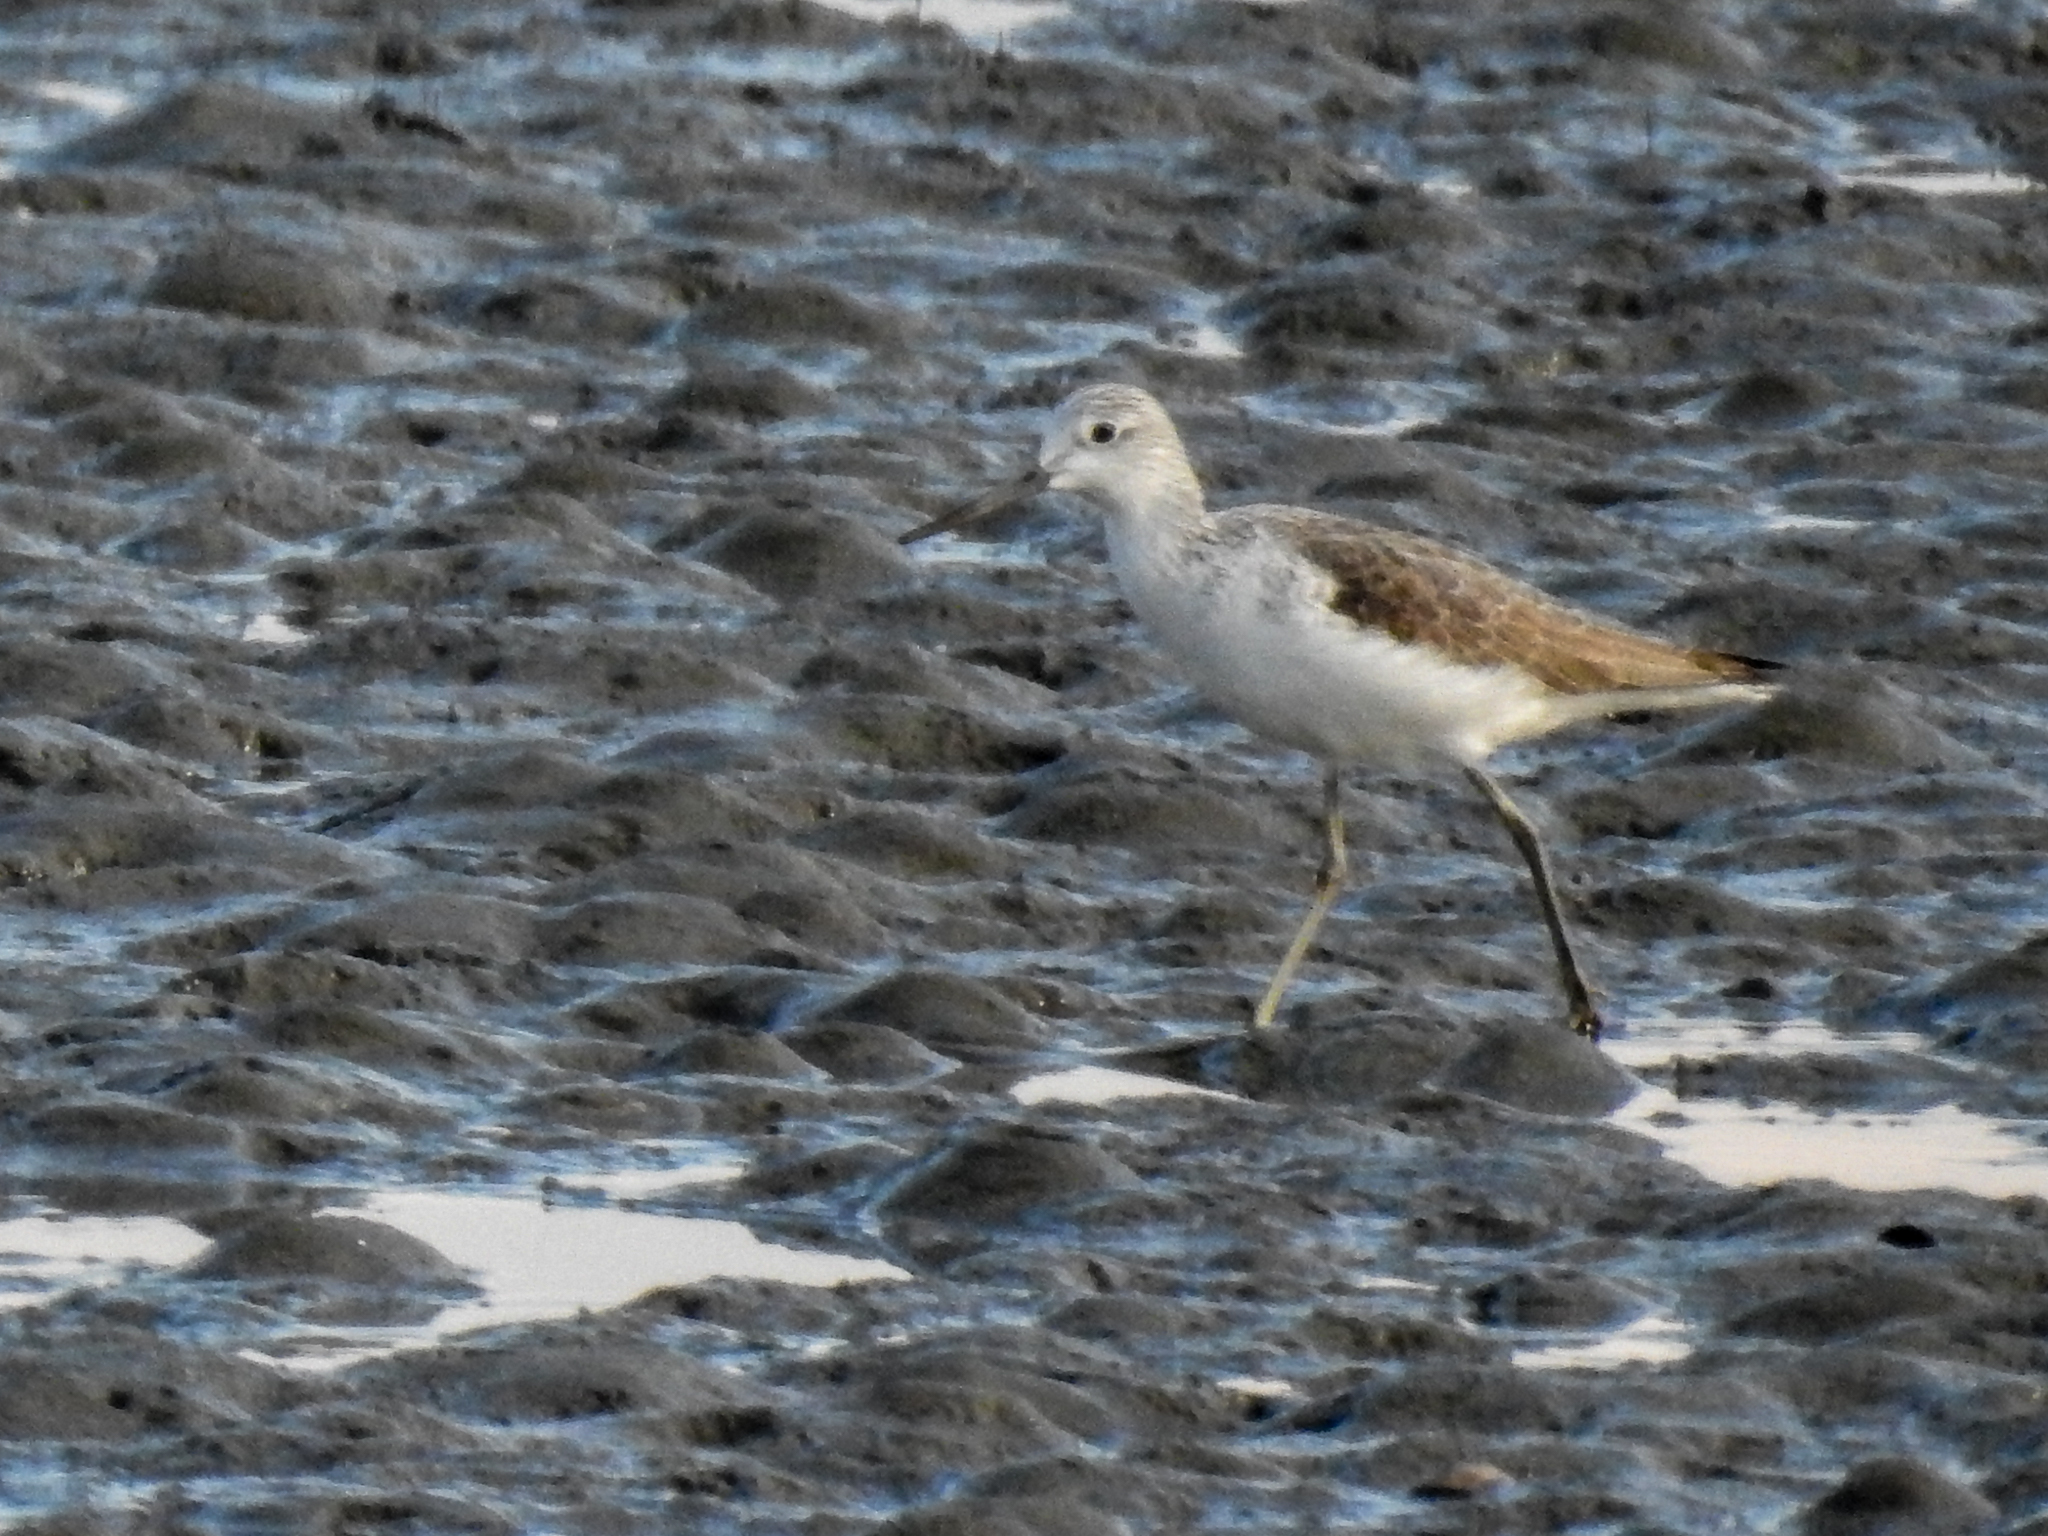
1329	881
1579	1010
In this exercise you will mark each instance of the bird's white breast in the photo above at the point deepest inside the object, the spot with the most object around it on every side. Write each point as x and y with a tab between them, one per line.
1247	618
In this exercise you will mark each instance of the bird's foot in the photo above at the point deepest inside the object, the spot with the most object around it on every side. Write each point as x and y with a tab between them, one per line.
1583	1019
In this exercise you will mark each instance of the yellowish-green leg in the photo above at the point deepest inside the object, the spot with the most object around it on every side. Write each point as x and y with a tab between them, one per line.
1329	881
1578	1001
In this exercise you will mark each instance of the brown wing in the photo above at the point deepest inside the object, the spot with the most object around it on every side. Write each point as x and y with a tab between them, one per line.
1425	593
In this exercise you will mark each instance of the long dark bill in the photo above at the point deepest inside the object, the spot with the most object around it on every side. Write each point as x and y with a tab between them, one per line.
1023	488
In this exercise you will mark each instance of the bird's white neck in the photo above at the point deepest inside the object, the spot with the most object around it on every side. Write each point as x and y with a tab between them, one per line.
1154	525
1160	507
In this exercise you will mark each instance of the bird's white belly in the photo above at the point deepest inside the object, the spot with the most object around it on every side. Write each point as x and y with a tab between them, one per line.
1261	645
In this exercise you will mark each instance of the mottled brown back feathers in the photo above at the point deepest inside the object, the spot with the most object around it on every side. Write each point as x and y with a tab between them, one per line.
1424	593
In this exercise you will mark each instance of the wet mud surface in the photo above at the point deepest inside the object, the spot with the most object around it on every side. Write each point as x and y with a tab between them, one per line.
468	723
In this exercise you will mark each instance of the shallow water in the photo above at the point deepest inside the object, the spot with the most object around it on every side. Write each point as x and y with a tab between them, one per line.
987	22
538	1259
1747	1142
1646	1341
51	1252
1939	1148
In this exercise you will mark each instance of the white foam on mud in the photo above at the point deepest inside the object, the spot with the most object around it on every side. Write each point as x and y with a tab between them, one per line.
50	1252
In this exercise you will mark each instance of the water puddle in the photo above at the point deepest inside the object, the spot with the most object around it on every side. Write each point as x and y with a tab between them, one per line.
271	629
537	1260
979	21
99	100
1940	1148
1657	1041
1651	1340
43	1254
1733	1142
1101	1085
1943	182
644	1183
73	107
532	1255
1736	1142
1391	1283
532	1258
1383	409
1199	338
1774	516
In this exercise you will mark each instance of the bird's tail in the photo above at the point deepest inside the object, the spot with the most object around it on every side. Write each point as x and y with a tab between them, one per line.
1628	701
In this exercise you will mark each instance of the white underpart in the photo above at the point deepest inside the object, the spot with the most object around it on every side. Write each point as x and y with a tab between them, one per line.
1255	633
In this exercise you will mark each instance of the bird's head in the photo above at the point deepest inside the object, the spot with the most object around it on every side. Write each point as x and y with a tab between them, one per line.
1111	442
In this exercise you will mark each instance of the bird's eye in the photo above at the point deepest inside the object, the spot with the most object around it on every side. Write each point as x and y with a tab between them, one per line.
1102	432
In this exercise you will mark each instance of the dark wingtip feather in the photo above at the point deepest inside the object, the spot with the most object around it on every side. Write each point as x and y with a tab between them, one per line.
1733	667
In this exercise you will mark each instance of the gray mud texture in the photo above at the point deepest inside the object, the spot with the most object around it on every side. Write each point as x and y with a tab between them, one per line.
467	722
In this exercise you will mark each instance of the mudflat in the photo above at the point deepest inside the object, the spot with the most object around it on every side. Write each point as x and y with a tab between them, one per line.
469	730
